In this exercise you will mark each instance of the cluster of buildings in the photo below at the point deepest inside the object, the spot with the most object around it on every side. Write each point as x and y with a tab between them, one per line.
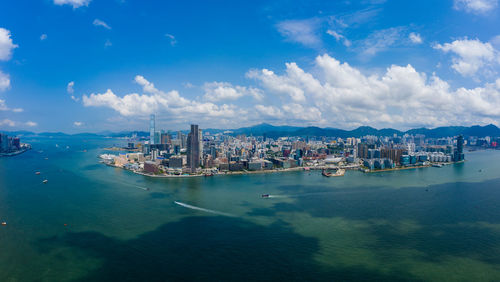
175	153
9	144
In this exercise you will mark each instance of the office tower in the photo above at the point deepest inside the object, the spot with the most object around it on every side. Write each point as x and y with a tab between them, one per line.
460	149
165	138
4	143
152	129
193	148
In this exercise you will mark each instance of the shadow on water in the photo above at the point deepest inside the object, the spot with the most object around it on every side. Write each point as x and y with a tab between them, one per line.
209	248
445	219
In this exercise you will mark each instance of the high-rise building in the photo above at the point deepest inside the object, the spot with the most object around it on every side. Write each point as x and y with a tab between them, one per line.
459	153
193	148
152	129
4	142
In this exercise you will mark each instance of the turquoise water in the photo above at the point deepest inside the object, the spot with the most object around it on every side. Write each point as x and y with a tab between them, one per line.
91	222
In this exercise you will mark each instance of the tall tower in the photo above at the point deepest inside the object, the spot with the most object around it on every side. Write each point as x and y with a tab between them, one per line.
193	148
152	129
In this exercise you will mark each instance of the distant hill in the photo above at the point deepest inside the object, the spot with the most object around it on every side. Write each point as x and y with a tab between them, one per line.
311	131
280	131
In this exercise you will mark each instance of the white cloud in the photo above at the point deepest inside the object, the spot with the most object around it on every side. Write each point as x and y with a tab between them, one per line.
7	122
381	40
155	101
77	123
301	31
217	91
74	3
471	56
400	97
108	43
172	39
43	37
4	81
339	37
70	86
98	22
71	91
6	45
3	107
332	94
475	6
415	38
11	123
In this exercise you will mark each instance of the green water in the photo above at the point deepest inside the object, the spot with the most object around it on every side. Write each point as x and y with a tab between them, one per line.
424	224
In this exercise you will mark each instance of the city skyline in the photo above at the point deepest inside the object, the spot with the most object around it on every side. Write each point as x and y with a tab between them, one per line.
385	64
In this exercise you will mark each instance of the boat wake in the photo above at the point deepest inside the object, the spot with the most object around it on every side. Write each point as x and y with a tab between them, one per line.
202	209
300	195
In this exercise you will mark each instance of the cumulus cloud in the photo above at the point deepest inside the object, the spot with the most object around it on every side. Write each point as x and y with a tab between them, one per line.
7	122
4	81
402	97
218	91
156	101
77	123
43	37
470	55
3	107
415	38
301	31
332	93
475	6
74	3
6	45
11	123
98	22
172	39
339	37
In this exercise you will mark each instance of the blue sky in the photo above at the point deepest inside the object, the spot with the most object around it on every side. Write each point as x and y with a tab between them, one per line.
92	65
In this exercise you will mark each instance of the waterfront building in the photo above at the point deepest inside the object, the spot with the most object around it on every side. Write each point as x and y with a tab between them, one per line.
193	148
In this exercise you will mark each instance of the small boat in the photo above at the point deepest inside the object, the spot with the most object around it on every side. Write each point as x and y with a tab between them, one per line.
4	223
265	196
37	173
209	174
45	181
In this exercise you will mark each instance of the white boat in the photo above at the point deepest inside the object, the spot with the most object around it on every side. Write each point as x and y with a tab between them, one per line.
45	181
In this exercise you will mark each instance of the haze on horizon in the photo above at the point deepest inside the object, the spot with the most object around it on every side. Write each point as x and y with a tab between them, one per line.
95	65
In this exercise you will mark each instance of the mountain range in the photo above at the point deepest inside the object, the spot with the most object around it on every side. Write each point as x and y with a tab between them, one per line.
281	131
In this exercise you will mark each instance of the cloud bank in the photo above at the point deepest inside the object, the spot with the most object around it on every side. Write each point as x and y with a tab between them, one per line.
332	93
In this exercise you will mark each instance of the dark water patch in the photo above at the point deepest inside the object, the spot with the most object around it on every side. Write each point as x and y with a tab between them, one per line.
436	204
93	167
158	195
210	248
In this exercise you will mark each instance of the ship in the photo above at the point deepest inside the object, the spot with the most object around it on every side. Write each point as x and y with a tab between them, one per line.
339	172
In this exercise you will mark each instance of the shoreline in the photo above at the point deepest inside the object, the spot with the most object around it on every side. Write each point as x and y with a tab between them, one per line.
246	172
11	154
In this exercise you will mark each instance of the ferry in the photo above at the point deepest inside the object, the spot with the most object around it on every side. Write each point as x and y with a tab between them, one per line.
265	196
37	173
339	172
45	181
4	223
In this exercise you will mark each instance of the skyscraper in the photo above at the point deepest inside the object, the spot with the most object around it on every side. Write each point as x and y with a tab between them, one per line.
193	148
152	129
